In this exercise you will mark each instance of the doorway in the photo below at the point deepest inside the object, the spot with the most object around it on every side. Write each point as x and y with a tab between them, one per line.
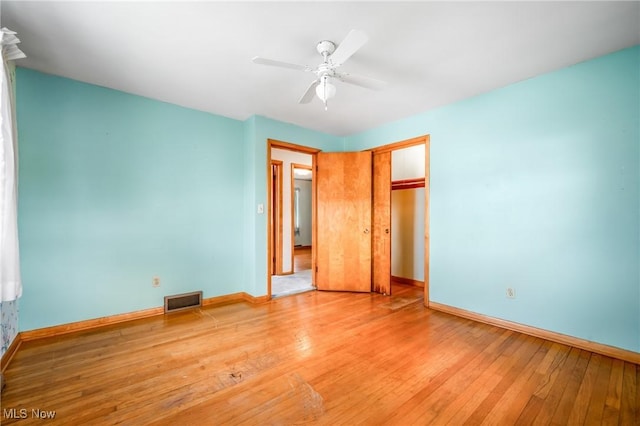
296	220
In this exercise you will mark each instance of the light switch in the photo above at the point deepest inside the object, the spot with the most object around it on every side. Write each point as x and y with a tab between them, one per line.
260	208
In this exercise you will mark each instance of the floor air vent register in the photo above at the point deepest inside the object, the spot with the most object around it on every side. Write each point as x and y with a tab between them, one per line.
180	302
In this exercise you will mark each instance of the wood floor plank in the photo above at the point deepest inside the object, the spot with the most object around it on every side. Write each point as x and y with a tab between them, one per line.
490	391
462	409
568	400
611	412
599	394
392	375
448	382
583	399
554	394
401	382
316	358
546	380
630	398
519	393
505	395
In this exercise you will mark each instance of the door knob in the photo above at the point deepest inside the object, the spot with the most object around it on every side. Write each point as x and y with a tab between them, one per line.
366	230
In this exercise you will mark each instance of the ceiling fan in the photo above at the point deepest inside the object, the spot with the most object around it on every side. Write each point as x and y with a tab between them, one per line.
333	57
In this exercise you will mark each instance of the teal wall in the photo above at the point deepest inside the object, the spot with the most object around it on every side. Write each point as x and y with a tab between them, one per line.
536	186
116	189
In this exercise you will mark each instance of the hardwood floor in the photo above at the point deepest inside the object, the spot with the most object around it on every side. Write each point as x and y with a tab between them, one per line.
318	357
301	259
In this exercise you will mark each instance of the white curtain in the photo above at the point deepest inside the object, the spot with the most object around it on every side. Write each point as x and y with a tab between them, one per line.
10	282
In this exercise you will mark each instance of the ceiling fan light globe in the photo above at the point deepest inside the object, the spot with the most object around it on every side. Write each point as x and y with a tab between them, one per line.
325	91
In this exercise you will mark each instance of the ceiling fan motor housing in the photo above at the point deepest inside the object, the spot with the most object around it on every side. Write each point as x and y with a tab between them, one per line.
326	48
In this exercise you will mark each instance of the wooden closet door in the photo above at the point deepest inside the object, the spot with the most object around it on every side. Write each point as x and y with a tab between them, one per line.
382	222
343	191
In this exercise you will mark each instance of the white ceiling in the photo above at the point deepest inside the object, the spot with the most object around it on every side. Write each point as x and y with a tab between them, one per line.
198	54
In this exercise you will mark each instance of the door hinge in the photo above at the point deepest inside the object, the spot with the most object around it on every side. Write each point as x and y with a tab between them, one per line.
316	269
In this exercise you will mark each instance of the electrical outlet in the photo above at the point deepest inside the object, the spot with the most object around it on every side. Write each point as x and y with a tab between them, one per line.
511	293
155	282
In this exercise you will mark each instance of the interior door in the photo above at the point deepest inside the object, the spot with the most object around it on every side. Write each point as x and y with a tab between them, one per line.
382	222
343	191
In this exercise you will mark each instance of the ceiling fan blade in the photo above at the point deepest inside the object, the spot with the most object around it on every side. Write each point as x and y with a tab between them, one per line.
309	93
362	81
350	45
271	62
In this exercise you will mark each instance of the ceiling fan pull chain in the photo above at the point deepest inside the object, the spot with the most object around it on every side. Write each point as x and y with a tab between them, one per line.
326	98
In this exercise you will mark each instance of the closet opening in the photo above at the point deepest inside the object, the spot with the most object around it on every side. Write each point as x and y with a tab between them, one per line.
408	217
401	218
